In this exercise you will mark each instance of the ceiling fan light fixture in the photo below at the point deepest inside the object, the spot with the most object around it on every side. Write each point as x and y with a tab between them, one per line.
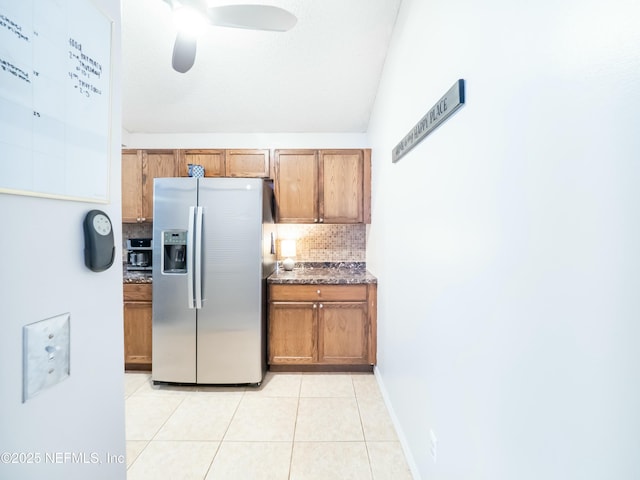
189	20
191	16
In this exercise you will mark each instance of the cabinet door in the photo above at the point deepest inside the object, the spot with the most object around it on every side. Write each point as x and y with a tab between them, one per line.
341	186
342	333
155	164
213	162
137	334
296	186
247	163
131	186
292	333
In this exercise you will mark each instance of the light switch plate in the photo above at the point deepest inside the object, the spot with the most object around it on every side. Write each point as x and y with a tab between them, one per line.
45	354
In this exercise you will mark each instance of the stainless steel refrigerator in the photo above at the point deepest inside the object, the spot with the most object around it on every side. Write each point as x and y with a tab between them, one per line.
213	250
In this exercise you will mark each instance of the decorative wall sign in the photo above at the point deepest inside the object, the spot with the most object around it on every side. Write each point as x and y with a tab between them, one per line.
442	110
55	99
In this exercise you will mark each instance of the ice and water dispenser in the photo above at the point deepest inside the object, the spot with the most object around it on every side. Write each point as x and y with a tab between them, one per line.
174	251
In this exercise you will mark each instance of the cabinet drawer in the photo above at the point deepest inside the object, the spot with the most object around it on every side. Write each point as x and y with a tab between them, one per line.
318	292
137	292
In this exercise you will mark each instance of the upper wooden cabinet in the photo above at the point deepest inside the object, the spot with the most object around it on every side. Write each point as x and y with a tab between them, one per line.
211	160
247	163
323	186
296	186
311	186
342	186
139	168
131	186
226	163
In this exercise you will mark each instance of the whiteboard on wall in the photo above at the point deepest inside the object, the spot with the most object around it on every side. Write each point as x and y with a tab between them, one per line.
55	99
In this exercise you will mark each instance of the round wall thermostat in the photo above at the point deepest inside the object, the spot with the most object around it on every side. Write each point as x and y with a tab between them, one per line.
99	249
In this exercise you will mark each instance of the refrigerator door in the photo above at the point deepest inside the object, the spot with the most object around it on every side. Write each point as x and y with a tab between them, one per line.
230	345
174	315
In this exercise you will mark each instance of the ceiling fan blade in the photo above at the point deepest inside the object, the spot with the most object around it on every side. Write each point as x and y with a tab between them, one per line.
184	52
254	17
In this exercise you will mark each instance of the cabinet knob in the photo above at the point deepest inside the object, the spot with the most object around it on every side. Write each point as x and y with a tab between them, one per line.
315	306
321	220
315	220
143	219
318	291
321	306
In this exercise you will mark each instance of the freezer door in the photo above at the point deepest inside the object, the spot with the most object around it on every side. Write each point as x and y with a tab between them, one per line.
174	315
230	323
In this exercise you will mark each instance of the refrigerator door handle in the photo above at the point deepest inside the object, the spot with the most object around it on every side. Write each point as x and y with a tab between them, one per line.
198	276
190	250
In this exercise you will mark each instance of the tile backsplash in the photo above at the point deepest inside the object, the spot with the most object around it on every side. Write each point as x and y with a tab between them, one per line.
325	243
314	243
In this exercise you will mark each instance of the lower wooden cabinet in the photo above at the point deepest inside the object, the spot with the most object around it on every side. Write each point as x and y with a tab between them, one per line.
292	337
137	326
322	325
342	333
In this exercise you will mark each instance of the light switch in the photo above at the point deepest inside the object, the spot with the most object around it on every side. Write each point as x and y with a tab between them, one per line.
45	354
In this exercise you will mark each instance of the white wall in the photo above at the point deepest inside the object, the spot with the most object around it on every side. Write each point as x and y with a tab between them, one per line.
245	140
506	243
42	275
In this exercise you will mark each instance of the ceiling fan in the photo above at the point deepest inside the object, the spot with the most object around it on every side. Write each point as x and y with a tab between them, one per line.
191	15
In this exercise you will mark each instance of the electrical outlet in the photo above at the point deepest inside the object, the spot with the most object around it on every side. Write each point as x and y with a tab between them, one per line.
45	354
434	445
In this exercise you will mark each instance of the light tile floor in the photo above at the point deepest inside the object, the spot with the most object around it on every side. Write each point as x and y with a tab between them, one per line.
293	427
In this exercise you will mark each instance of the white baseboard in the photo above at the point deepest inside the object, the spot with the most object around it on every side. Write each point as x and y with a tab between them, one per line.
401	437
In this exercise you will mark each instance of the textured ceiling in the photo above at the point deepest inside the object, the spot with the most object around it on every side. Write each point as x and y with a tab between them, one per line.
321	76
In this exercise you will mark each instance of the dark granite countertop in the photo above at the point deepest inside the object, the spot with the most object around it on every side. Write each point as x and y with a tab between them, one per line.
303	273
324	274
135	276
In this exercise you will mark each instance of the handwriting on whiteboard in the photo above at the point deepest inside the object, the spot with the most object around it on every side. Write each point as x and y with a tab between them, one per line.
86	68
12	27
55	63
83	67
